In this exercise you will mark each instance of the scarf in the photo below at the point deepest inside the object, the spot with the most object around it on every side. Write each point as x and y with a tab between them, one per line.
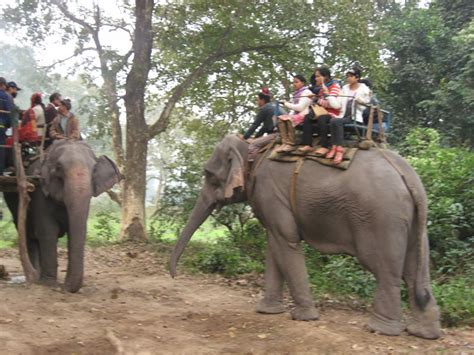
297	94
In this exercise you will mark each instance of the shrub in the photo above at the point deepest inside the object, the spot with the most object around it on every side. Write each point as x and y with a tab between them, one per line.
105	228
448	177
253	241
455	298
338	275
223	258
160	229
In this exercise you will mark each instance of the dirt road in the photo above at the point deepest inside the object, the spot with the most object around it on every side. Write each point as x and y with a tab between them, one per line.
130	305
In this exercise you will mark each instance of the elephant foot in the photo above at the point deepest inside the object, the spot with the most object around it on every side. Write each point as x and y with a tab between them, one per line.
428	327
48	282
429	331
270	307
383	325
305	313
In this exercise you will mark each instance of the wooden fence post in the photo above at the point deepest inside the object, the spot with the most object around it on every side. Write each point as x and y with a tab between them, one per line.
31	274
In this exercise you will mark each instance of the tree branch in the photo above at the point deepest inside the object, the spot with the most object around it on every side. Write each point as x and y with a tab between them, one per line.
162	123
76	53
63	8
114	197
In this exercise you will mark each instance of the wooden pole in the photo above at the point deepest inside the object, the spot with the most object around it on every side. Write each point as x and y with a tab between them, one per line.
31	274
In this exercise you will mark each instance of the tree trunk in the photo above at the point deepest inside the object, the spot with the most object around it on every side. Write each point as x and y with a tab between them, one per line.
134	187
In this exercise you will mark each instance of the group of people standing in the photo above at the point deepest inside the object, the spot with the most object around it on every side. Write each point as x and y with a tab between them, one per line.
323	103
37	125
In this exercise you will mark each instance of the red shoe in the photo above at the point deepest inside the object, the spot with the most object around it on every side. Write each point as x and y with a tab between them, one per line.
339	155
331	153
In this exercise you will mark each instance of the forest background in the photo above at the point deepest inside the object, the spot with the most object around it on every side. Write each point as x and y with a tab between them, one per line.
157	84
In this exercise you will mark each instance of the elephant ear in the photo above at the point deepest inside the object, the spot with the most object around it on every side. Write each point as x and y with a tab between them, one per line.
105	175
235	176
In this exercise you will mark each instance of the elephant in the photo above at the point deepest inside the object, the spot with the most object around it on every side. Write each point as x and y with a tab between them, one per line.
69	176
375	211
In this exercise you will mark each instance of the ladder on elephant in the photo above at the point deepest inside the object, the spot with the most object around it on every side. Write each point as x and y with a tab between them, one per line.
21	184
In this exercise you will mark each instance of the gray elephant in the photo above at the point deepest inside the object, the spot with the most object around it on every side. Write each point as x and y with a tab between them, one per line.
375	211
70	176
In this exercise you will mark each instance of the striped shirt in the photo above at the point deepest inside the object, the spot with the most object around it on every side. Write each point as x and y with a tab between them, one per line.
332	103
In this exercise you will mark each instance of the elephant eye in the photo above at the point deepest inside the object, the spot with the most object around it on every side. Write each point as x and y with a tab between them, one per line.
58	168
211	178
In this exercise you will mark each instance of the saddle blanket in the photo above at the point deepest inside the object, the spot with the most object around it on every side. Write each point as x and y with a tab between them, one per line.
294	156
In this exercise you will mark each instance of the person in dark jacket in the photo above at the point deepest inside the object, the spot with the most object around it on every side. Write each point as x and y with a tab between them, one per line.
50	112
265	116
6	105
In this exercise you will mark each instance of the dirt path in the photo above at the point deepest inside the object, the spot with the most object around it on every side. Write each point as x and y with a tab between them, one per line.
130	305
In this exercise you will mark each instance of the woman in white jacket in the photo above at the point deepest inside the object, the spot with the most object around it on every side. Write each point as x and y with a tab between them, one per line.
302	98
356	94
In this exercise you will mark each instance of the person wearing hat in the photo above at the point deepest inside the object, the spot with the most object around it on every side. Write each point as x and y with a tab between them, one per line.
12	88
65	125
6	105
16	112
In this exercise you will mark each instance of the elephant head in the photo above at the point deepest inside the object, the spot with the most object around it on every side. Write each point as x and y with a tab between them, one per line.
224	184
70	176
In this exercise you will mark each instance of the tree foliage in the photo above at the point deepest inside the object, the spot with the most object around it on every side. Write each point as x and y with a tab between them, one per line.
432	65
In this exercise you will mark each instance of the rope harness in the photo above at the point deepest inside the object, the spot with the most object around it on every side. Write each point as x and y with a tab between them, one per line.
294	179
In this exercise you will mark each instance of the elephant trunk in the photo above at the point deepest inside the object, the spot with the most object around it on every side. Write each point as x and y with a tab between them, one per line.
203	209
78	194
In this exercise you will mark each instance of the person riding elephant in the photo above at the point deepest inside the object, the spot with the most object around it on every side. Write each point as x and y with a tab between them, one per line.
300	107
65	125
329	97
69	177
334	211
266	117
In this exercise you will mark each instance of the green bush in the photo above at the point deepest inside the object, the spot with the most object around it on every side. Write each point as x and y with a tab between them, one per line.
8	234
160	229
253	241
448	177
223	257
338	275
455	298
105	228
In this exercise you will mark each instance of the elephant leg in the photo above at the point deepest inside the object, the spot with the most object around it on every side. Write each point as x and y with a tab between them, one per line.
272	302
49	256
387	313
284	245
424	321
34	252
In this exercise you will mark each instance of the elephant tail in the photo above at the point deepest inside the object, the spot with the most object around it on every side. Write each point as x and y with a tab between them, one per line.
414	186
422	294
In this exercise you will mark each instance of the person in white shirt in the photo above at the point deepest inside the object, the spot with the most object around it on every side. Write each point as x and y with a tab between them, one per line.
356	94
300	104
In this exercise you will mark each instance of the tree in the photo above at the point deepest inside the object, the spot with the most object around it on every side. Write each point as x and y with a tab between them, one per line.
212	55
432	66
